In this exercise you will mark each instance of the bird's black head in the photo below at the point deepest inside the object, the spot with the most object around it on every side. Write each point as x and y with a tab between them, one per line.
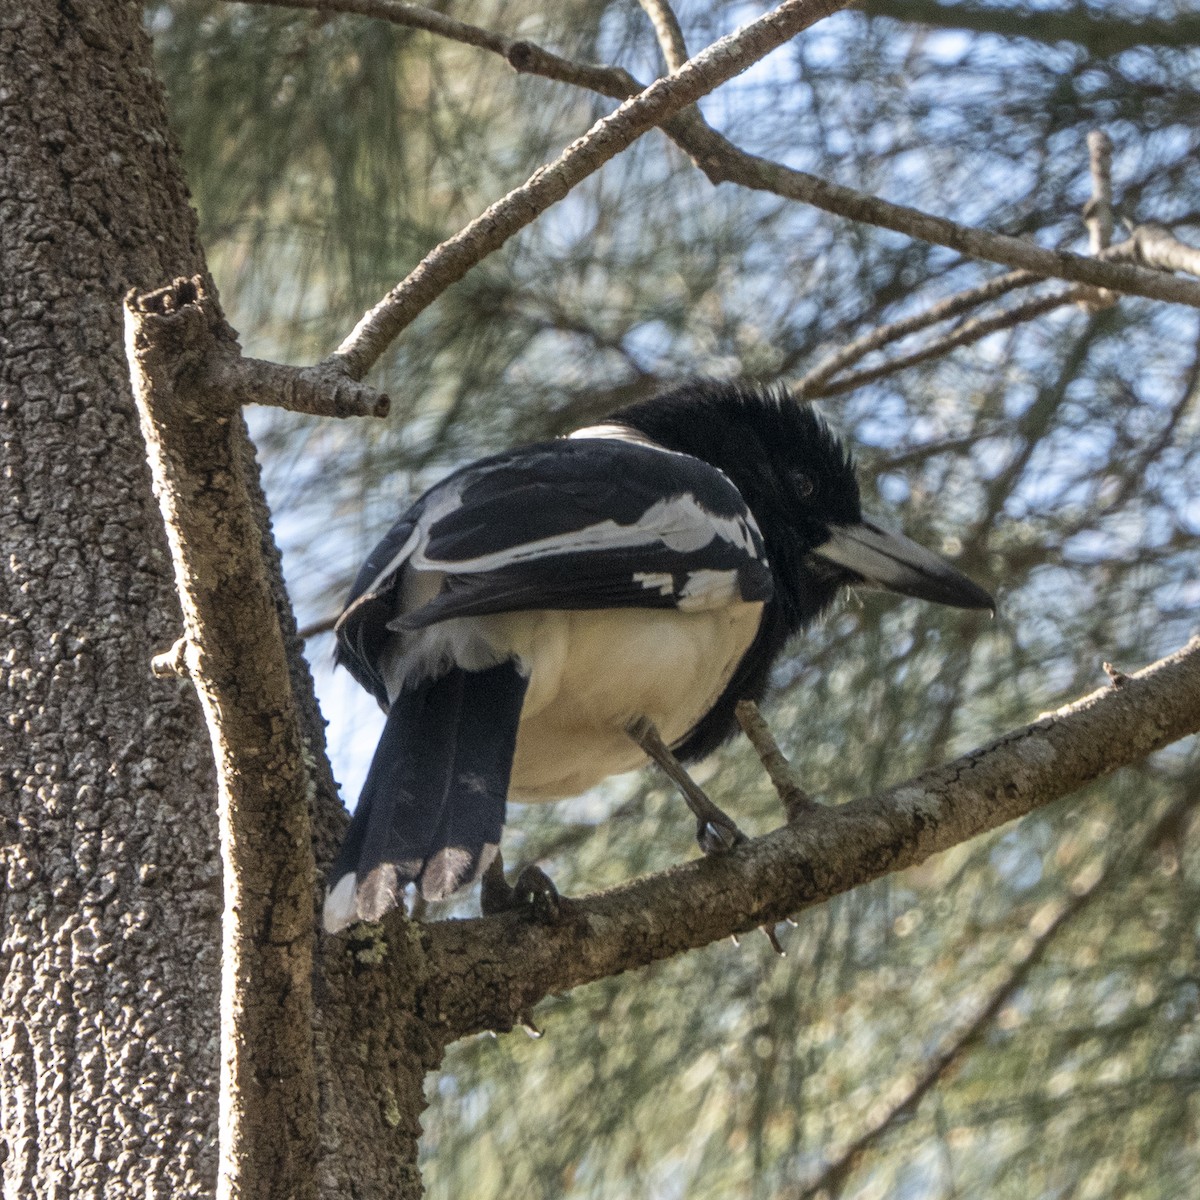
798	480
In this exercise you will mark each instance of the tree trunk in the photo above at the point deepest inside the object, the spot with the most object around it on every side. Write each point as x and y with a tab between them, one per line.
110	935
110	919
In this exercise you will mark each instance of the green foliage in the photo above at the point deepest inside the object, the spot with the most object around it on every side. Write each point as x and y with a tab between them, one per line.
1058	462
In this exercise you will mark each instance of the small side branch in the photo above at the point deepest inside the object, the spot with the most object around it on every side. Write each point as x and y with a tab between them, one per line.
1098	211
1158	248
966	333
317	390
811	384
668	31
234	653
795	800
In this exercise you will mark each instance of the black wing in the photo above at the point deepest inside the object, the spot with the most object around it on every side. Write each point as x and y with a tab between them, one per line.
573	524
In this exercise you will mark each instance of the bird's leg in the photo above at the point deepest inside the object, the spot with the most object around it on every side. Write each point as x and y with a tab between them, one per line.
715	831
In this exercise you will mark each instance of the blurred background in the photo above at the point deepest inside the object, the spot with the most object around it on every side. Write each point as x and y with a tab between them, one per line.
1017	1018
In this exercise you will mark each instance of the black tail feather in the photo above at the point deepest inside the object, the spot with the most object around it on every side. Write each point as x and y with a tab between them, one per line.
434	799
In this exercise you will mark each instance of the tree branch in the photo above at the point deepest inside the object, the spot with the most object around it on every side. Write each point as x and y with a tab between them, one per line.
810	384
967	332
1157	247
1098	211
235	655
1150	245
668	32
1100	36
318	390
488	973
723	162
764	175
450	261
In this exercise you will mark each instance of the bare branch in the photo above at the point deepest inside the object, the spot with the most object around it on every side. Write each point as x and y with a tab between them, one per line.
1150	244
413	16
486	973
318	391
450	261
964	334
1157	247
1100	35
796	801
235	655
809	385
668	31
319	626
1098	211
754	172
524	57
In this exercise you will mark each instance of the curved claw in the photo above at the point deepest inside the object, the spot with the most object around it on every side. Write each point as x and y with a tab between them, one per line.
714	838
535	893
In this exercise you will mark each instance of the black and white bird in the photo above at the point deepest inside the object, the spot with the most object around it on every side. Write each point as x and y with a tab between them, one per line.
543	618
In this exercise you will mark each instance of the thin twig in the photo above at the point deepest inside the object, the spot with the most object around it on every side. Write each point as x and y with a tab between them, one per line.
1098	211
759	173
668	31
317	390
1158	248
965	334
794	798
450	261
523	56
809	385
322	625
1150	244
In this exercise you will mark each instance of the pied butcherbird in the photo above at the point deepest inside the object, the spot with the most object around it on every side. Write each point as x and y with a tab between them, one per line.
541	618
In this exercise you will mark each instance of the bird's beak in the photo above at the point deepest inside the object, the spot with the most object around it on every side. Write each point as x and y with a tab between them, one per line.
892	561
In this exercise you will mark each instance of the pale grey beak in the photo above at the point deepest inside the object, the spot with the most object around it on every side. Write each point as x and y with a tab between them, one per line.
892	561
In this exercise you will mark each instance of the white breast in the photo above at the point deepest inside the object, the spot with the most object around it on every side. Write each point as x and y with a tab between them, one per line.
592	672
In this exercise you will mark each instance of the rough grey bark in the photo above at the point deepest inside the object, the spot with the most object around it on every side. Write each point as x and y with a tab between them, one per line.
109	938
233	651
110	917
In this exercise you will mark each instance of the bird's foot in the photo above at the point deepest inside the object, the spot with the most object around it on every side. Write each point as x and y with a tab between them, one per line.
533	894
536	895
715	832
716	837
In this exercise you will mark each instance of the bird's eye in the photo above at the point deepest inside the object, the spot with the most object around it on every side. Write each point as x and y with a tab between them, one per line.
803	484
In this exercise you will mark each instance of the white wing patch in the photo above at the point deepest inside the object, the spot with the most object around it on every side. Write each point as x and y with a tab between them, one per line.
449	500
709	589
679	522
614	431
660	580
